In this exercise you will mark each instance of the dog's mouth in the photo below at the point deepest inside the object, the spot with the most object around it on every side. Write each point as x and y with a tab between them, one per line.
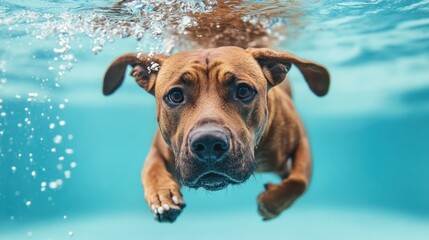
214	181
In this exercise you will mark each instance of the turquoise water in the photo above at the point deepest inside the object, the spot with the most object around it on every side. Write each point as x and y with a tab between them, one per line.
70	158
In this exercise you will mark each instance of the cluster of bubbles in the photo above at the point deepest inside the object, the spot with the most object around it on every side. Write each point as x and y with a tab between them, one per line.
156	15
162	21
36	147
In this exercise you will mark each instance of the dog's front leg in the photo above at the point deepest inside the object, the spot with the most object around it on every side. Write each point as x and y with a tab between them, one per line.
278	197
161	191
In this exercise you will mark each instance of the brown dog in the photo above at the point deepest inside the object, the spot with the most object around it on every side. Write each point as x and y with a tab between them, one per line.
223	114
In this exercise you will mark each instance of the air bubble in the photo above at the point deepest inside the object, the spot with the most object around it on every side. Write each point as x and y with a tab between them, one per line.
97	49
67	174
59	182
61	50
53	185
154	66
58	139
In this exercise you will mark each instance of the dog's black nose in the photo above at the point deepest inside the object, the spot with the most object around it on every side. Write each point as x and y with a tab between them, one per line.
209	143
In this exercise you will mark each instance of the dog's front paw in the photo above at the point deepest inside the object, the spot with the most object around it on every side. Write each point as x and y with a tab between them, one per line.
166	204
268	202
277	198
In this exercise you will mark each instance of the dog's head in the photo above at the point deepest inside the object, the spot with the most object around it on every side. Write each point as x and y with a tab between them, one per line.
212	105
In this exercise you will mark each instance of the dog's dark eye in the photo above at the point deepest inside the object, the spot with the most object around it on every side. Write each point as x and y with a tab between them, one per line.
245	92
175	96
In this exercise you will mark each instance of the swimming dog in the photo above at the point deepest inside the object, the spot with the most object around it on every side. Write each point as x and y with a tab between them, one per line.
223	114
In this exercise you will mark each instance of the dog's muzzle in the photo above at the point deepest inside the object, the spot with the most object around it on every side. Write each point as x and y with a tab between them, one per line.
210	146
213	158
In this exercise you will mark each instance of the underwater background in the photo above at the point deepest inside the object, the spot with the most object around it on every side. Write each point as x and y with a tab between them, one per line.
70	158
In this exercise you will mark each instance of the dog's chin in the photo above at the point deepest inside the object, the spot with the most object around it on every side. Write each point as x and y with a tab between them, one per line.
214	181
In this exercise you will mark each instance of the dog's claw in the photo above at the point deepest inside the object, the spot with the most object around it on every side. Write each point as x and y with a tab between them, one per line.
160	210
175	200
166	206
154	209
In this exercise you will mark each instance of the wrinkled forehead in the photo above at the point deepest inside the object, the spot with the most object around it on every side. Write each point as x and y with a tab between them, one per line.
234	58
209	62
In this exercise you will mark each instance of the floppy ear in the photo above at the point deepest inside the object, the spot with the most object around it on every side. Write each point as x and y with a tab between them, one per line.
145	70
276	65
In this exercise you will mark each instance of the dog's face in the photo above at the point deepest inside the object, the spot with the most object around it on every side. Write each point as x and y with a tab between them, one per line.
212	110
212	106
